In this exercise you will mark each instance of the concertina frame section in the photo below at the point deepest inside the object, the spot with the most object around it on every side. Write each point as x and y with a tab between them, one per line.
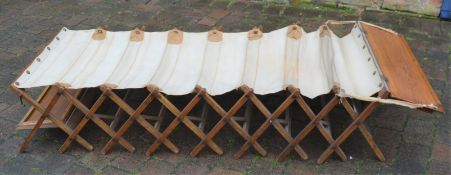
174	62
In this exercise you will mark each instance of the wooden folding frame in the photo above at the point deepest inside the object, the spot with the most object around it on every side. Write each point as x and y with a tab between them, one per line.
134	115
61	109
226	117
180	117
90	114
335	144
46	113
249	98
271	119
315	121
120	113
358	122
202	119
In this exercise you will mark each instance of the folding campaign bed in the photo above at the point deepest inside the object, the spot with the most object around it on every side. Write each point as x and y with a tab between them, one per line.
370	64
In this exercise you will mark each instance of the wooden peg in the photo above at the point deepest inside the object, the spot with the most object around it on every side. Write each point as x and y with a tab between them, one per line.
175	36
336	88
215	35
63	85
108	86
199	89
137	34
324	31
246	88
291	88
99	34
294	31
152	88
254	34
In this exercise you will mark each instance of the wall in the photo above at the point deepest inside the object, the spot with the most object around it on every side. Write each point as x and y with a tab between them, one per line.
427	7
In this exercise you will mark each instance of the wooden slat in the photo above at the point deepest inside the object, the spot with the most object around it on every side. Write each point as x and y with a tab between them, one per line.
61	109
405	78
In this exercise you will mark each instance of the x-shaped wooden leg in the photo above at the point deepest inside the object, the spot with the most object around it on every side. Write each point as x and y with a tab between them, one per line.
364	130
358	121
46	114
311	115
227	117
271	118
135	115
307	129
181	117
41	119
90	115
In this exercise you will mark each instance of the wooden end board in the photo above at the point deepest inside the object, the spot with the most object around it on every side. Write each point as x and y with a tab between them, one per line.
61	110
404	75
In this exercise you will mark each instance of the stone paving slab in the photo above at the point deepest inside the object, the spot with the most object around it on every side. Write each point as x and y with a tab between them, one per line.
413	142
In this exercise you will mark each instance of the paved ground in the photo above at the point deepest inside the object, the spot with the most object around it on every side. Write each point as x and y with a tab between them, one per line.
413	142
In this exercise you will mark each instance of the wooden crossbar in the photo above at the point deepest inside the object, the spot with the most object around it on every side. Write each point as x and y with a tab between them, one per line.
358	121
60	124
180	116
135	115
118	113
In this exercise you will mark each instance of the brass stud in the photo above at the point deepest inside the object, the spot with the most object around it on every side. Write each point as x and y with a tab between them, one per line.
38	59
27	71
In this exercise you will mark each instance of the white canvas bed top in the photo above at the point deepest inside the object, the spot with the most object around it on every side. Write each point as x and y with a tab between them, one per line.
314	63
